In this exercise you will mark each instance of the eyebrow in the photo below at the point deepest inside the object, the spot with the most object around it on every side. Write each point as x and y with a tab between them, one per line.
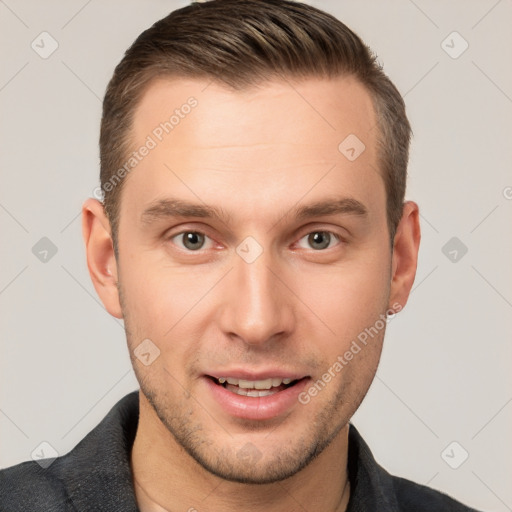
334	206
171	207
168	208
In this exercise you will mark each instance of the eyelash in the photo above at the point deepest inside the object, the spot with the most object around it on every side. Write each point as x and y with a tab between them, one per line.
335	236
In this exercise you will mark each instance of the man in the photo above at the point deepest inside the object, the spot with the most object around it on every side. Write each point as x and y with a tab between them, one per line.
255	240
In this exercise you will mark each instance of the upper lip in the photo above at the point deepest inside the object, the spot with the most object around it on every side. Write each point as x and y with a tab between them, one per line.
254	375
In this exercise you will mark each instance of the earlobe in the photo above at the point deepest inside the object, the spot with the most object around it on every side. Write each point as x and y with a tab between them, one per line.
405	255
101	260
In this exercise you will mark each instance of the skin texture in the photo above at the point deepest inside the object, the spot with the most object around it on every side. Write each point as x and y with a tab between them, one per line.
256	155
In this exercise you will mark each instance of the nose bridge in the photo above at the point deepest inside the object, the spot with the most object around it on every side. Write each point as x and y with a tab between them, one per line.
256	308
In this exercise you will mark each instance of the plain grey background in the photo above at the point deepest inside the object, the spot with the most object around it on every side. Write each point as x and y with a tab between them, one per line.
443	389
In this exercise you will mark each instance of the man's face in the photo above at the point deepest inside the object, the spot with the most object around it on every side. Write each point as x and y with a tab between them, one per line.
260	292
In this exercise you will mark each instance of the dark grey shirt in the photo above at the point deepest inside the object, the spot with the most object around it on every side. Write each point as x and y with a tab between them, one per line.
96	476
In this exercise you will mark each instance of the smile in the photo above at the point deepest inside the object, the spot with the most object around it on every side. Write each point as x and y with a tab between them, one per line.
260	396
255	388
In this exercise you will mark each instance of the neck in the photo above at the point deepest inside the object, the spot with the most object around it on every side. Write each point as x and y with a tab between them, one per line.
166	478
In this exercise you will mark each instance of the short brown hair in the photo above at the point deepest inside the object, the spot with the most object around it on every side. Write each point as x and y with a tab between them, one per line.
241	43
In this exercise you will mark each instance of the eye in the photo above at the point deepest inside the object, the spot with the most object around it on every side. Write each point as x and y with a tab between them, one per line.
319	240
190	240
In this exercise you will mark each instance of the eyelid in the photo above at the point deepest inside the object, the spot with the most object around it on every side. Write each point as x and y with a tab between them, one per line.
314	227
188	227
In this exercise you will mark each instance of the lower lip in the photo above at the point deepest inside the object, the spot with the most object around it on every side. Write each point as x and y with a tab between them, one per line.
256	408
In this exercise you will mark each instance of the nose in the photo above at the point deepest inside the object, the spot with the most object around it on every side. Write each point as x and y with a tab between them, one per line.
257	308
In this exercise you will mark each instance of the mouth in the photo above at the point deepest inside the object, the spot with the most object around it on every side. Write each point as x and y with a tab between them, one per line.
255	388
254	397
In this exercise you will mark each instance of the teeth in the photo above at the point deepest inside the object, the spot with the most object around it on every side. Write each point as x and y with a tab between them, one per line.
263	392
250	392
264	384
255	384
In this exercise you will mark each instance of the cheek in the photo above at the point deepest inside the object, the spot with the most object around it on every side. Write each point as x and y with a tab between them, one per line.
149	305
168	306
158	294
346	299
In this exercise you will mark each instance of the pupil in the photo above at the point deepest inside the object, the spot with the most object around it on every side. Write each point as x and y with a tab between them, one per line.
193	240
319	239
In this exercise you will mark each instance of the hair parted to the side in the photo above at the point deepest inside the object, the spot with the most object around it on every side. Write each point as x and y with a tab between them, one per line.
242	43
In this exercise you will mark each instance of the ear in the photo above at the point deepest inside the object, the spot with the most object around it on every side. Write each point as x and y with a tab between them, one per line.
405	255
101	260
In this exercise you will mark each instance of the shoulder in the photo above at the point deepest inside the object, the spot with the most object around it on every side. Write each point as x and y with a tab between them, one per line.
27	486
96	470
376	489
413	496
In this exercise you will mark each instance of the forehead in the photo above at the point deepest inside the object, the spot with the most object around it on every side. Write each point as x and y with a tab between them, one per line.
258	144
319	111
